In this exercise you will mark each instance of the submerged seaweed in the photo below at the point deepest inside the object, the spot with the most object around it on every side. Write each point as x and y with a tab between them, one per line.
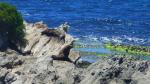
131	49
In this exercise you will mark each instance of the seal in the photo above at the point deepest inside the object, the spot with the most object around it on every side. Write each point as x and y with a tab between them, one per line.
54	33
63	54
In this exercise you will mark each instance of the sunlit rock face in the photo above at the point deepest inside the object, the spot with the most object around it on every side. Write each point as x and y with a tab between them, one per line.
46	42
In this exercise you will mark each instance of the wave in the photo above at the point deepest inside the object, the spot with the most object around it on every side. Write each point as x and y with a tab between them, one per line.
89	39
126	40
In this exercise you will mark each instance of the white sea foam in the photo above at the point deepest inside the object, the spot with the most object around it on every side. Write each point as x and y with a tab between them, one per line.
124	39
91	39
105	39
134	39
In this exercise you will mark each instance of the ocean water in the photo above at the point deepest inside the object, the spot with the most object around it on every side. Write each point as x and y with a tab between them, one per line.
93	21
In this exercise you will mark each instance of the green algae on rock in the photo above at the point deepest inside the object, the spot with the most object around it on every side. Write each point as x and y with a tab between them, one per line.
131	49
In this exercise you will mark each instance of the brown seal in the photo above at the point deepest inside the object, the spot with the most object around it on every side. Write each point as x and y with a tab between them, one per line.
63	54
54	33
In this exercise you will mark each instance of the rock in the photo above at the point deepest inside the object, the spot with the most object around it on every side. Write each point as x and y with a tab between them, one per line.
82	64
121	70
65	27
142	66
38	66
41	64
9	78
40	25
3	73
48	42
74	56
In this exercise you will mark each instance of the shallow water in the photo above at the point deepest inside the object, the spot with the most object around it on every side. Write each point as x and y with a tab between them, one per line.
120	21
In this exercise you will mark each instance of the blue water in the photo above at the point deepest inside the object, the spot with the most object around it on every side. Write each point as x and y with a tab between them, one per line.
122	21
93	21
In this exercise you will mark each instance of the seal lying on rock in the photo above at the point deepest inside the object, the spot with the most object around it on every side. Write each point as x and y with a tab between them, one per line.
59	32
53	33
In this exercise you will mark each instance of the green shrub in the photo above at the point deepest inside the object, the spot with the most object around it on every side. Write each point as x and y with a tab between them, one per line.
11	25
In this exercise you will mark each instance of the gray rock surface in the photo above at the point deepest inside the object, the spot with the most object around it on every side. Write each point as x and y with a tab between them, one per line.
38	67
117	70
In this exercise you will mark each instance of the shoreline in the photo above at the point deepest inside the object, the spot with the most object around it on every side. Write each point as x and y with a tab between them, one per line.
40	67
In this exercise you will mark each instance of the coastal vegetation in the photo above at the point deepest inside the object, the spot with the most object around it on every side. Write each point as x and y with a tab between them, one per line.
131	49
11	25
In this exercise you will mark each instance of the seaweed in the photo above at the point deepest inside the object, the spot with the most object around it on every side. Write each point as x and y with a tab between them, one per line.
131	49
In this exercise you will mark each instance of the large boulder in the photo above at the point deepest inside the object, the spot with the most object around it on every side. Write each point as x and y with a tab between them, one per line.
48	42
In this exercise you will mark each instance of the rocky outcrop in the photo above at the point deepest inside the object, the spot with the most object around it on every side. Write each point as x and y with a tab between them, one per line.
42	65
46	42
37	65
117	70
